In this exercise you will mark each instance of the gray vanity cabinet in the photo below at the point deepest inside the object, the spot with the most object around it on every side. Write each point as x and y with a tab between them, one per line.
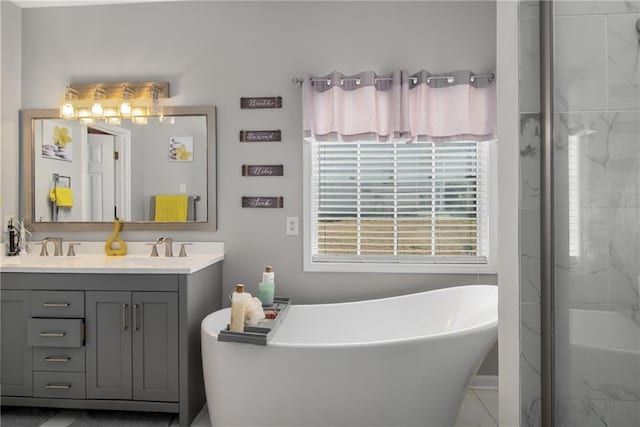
131	341
15	311
155	346
132	345
108	323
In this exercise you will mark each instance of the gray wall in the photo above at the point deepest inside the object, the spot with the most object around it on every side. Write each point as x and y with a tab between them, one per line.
10	99
216	52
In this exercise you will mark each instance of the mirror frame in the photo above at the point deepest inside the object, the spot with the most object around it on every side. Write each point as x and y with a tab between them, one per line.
27	121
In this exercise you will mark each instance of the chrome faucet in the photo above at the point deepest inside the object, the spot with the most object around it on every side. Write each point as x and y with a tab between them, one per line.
168	245
57	246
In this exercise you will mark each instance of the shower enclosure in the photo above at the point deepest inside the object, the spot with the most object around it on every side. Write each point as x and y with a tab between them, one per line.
589	132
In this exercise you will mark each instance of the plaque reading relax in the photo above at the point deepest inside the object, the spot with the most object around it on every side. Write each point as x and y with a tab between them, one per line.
262	170
260	135
262	202
261	102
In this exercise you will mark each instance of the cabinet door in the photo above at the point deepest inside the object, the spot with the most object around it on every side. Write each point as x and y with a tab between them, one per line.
108	342
155	346
15	310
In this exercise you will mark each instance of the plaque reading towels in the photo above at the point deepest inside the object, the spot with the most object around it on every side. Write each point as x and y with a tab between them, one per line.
260	135
262	202
262	170
261	102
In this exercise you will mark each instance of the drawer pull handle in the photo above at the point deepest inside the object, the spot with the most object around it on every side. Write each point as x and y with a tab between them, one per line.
56	304
58	386
53	334
63	359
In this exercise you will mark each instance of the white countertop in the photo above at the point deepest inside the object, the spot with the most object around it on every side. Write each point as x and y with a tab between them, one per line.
90	258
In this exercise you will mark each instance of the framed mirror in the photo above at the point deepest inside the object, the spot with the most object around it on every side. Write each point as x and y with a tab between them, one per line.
154	172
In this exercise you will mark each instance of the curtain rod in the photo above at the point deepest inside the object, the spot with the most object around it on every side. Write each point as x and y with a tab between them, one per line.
298	81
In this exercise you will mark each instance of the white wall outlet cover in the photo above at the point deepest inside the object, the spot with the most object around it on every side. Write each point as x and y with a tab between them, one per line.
183	187
292	225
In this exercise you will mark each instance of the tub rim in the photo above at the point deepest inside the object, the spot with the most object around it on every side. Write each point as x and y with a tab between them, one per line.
480	327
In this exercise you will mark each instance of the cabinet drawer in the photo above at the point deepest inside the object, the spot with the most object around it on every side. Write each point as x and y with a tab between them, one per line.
60	359
65	385
69	304
55	332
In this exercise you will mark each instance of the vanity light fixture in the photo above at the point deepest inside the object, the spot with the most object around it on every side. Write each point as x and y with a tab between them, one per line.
113	102
125	106
97	110
155	101
67	108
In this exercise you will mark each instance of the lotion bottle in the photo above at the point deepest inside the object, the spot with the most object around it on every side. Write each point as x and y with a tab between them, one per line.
266	289
238	306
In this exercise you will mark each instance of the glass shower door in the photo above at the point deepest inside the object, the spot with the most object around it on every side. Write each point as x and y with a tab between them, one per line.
596	213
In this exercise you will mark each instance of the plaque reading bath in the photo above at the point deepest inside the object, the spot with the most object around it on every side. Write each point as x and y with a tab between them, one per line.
261	102
262	170
260	135
262	202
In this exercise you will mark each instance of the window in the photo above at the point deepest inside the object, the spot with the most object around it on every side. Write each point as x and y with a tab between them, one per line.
411	207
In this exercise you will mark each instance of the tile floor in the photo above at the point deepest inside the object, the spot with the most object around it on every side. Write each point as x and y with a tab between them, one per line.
479	409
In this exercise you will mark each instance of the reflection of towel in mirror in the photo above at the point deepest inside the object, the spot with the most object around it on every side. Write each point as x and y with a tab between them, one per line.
171	208
62	197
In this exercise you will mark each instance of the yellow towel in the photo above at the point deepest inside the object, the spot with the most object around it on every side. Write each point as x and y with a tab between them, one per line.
171	208
63	197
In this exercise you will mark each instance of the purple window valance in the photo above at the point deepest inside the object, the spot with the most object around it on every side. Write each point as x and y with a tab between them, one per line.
399	106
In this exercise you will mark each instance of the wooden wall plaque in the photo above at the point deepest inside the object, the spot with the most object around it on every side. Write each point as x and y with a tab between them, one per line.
262	202
251	103
262	170
260	135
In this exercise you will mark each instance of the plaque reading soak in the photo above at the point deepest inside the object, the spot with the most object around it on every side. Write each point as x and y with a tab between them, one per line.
261	102
260	135
262	202
262	170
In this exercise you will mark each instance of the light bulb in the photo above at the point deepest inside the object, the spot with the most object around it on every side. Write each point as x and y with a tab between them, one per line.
125	109
125	106
67	111
97	110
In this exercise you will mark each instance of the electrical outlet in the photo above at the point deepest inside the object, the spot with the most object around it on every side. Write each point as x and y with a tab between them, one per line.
292	225
183	187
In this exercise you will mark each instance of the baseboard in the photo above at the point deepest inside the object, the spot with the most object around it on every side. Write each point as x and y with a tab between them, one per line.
486	382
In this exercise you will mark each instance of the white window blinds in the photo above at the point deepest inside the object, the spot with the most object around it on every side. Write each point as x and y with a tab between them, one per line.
399	202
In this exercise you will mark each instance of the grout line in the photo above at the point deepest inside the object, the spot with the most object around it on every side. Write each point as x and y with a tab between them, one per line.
485	408
61	419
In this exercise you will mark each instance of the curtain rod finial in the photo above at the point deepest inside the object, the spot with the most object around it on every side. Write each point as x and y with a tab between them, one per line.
297	81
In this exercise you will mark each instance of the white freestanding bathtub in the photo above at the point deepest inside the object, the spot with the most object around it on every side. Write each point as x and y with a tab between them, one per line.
400	361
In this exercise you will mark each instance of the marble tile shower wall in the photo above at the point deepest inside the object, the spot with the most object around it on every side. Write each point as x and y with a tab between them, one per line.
597	213
529	102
